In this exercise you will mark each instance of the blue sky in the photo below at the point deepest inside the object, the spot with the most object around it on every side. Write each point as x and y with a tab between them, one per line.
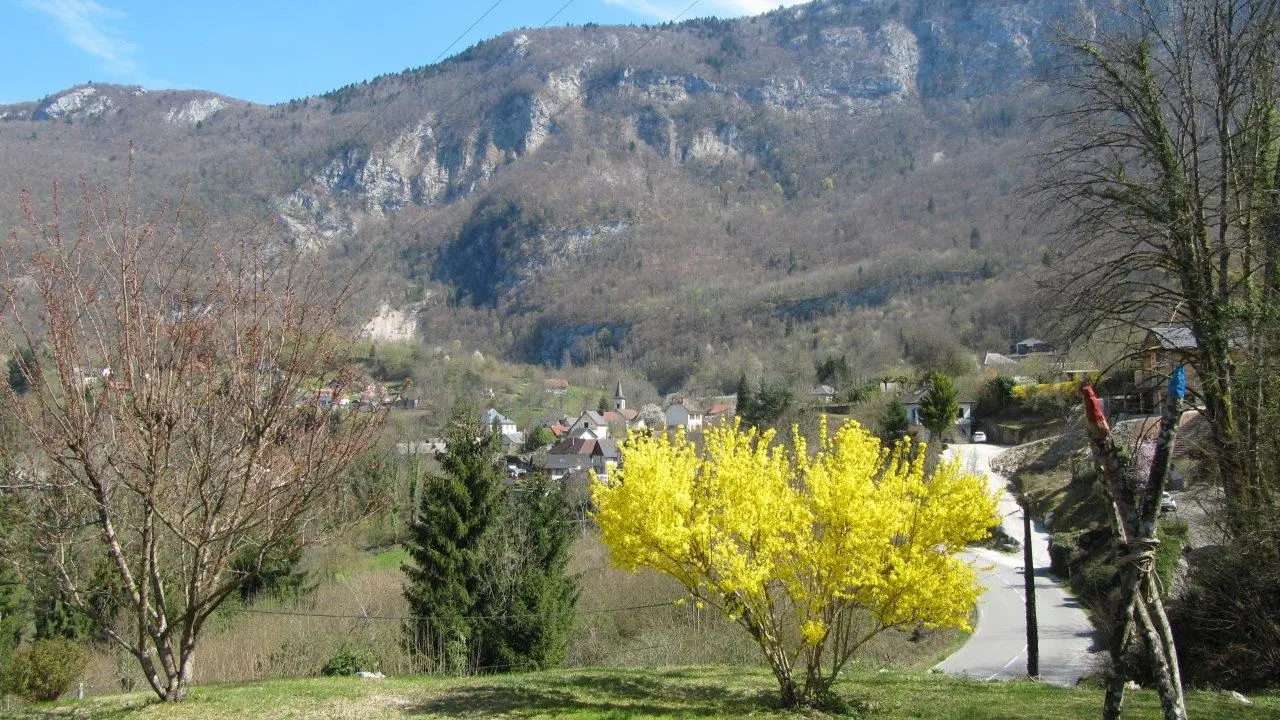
273	50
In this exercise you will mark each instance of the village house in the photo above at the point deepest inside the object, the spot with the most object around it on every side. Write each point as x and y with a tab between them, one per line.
822	395
999	363
912	404
1032	345
505	426
557	424
93	375
719	412
430	446
590	424
578	454
685	414
410	398
556	386
622	417
1165	347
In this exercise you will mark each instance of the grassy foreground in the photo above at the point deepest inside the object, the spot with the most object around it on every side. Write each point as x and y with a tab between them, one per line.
719	692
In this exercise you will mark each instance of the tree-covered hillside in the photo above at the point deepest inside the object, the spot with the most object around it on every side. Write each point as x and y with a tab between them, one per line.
684	199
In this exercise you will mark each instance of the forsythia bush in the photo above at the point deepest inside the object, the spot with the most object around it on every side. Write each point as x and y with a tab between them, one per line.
1069	389
812	553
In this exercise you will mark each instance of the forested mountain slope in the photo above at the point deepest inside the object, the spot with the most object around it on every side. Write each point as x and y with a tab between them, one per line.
688	199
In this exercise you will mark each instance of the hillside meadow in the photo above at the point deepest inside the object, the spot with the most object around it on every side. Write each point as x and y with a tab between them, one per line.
701	692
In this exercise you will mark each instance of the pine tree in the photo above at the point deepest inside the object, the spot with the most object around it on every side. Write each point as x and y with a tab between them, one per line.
459	510
894	425
23	368
534	613
745	405
766	406
13	599
940	406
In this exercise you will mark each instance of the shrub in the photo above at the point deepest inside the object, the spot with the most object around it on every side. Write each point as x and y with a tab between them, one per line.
1096	580
1226	625
44	670
349	661
792	545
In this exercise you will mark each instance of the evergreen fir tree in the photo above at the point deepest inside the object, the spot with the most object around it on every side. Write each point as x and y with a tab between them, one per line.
13	599
940	407
459	510
766	406
894	425
745	406
55	617
23	368
533	616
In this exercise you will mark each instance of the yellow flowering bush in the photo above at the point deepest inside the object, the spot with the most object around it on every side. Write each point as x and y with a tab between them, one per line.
800	547
1067	389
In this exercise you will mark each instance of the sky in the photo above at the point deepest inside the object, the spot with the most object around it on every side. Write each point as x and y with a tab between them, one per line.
270	51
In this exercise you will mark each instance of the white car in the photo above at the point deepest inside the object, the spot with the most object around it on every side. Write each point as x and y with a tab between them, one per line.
979	436
1167	503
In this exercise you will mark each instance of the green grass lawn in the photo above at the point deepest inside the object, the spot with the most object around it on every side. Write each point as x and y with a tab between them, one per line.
717	692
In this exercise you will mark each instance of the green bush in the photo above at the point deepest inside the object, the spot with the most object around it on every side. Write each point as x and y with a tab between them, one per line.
349	661
44	670
1096	580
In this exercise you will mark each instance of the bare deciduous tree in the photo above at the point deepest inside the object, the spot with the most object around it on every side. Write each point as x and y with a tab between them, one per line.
1164	174
177	423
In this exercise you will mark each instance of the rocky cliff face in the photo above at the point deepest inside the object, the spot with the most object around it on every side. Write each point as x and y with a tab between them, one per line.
846	58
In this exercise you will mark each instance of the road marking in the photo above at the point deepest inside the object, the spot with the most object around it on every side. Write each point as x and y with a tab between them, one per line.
1006	665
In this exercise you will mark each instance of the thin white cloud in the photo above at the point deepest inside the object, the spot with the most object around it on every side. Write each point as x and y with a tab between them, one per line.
89	26
668	9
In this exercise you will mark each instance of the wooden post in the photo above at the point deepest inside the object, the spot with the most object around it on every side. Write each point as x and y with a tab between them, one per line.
1135	508
1029	587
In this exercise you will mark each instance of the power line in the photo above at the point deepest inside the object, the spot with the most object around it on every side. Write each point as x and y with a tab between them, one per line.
402	618
465	93
396	95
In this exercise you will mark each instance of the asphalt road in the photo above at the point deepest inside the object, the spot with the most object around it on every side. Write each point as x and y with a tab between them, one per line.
997	650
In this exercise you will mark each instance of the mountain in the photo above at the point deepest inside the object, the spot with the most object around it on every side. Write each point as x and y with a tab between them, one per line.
686	200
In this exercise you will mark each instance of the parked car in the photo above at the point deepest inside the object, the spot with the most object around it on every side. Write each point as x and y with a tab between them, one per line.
979	436
1167	503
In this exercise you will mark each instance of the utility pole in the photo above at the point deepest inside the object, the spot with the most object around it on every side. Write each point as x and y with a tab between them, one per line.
1029	588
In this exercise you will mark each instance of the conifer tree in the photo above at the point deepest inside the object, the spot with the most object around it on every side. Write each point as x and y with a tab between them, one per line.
532	616
13	600
448	545
894	425
940	406
744	406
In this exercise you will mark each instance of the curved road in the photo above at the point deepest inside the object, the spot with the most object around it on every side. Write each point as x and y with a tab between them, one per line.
997	650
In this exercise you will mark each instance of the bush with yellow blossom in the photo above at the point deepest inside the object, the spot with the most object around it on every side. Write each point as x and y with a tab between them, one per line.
813	553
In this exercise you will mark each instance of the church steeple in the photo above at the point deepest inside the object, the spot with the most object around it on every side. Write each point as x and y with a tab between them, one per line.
619	400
